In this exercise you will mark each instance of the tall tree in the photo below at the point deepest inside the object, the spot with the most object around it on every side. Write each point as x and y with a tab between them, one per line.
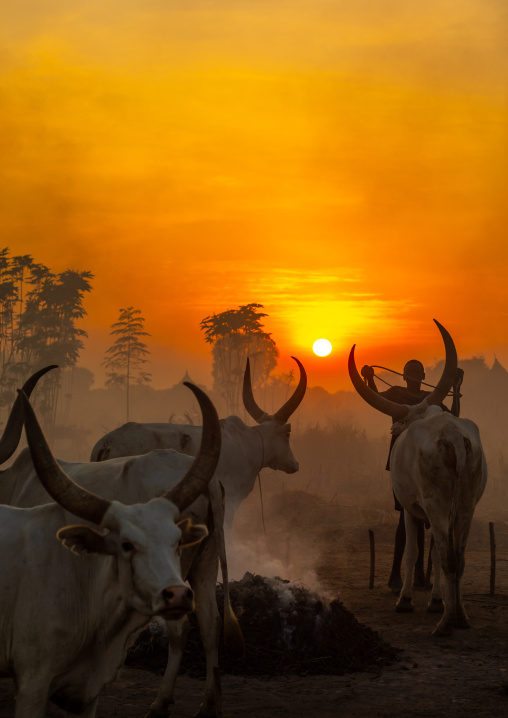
235	335
127	354
8	299
38	315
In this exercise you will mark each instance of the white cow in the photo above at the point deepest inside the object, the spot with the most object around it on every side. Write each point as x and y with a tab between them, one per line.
438	472
141	478
245	449
65	619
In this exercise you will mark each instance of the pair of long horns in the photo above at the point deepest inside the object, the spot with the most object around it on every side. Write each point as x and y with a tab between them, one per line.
399	411
283	414
12	432
91	507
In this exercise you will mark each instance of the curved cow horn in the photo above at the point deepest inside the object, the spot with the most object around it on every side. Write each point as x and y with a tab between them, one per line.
12	432
295	400
450	369
248	397
57	483
199	474
397	411
283	414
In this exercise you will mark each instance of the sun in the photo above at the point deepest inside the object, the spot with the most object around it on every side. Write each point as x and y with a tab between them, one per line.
322	347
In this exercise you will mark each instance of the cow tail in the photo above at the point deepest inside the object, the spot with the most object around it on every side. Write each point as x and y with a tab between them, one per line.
451	461
233	637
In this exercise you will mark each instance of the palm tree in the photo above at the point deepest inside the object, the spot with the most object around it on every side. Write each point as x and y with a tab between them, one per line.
127	354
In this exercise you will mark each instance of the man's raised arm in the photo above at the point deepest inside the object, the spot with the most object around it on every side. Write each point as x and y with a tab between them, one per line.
368	373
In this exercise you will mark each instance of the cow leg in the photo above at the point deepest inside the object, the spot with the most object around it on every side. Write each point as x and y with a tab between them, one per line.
178	631
405	601
88	713
419	578
461	617
209	625
31	698
447	622
203	580
395	580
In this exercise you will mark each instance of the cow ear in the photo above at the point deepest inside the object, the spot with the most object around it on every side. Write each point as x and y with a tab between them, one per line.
185	442
83	539
191	533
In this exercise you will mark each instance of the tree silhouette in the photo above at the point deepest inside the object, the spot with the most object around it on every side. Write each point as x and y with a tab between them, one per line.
127	354
235	335
38	315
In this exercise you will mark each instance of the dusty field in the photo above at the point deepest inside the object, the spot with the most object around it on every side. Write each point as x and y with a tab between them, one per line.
465	675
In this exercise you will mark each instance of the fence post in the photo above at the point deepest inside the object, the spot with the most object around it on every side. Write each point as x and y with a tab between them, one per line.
372	558
492	559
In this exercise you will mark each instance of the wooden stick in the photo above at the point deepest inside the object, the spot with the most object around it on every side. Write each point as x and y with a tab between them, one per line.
288	550
492	559
372	558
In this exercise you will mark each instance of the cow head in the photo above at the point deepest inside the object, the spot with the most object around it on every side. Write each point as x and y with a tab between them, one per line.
277	452
273	428
402	413
146	538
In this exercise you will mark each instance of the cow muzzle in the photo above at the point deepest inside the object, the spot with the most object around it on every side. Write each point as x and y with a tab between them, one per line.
178	600
289	467
293	467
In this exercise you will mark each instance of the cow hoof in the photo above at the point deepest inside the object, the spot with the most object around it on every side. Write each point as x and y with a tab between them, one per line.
159	712
435	605
442	631
462	622
404	605
395	584
206	710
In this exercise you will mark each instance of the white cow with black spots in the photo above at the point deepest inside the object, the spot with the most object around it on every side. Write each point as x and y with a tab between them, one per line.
438	472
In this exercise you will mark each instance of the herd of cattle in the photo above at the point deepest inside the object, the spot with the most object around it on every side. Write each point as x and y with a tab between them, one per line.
89	552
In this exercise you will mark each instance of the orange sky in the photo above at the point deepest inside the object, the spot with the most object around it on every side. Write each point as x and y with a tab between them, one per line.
344	164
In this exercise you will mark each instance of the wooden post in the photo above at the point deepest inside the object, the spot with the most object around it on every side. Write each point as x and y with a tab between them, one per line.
492	559
288	550
372	558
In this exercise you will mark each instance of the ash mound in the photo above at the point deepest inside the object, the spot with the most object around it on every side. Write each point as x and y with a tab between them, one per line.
287	629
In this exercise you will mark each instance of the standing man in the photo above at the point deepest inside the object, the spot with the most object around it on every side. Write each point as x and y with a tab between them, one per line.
413	375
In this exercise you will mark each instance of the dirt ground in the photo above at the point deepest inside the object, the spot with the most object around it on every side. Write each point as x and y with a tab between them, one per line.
463	675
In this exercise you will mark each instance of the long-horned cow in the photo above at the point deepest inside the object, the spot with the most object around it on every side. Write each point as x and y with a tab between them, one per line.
65	619
438	472
245	449
138	479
